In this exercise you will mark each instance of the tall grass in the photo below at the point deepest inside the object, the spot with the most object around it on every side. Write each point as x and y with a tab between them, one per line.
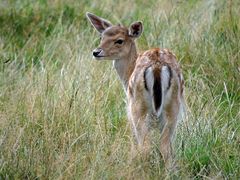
62	115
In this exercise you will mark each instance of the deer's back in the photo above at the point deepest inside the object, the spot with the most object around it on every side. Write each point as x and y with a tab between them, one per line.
157	57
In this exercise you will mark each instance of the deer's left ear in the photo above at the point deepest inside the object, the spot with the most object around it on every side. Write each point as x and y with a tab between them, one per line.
98	23
136	29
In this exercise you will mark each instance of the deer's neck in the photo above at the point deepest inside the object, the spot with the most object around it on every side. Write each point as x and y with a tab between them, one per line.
125	66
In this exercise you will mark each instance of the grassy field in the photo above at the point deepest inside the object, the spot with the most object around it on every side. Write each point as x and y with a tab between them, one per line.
62	114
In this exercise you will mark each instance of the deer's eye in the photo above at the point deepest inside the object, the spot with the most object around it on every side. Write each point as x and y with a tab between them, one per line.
119	41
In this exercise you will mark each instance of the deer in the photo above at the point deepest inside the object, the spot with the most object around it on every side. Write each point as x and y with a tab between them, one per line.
152	81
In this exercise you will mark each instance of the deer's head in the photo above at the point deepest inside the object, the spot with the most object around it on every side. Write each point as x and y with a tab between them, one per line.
116	40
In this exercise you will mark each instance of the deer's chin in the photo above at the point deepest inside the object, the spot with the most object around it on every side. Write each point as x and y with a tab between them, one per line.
99	58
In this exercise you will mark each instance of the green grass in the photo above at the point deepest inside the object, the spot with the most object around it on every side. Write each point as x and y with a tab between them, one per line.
62	115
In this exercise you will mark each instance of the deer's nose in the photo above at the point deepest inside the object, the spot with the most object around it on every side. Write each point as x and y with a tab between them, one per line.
96	52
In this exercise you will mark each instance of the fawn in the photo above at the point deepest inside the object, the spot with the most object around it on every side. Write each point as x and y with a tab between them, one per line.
152	81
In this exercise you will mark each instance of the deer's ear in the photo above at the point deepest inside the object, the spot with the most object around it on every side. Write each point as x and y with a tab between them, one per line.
98	23
136	29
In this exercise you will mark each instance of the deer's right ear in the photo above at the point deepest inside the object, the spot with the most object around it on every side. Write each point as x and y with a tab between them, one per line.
98	23
136	29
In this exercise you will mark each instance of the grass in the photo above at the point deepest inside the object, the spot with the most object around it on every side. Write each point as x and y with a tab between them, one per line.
62	115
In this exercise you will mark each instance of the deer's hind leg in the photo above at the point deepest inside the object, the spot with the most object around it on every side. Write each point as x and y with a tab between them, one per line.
139	122
170	116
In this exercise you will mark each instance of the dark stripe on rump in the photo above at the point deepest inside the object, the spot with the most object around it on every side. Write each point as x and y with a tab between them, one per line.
170	77
157	89
144	78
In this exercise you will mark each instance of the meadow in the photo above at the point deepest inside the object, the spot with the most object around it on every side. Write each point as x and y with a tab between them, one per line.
62	114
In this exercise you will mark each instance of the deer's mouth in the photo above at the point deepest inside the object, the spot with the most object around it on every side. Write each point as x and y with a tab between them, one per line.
99	57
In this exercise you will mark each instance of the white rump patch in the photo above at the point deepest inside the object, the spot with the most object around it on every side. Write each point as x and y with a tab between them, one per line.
149	79
165	75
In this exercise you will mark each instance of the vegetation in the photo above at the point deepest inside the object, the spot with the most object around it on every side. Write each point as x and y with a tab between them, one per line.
62	115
